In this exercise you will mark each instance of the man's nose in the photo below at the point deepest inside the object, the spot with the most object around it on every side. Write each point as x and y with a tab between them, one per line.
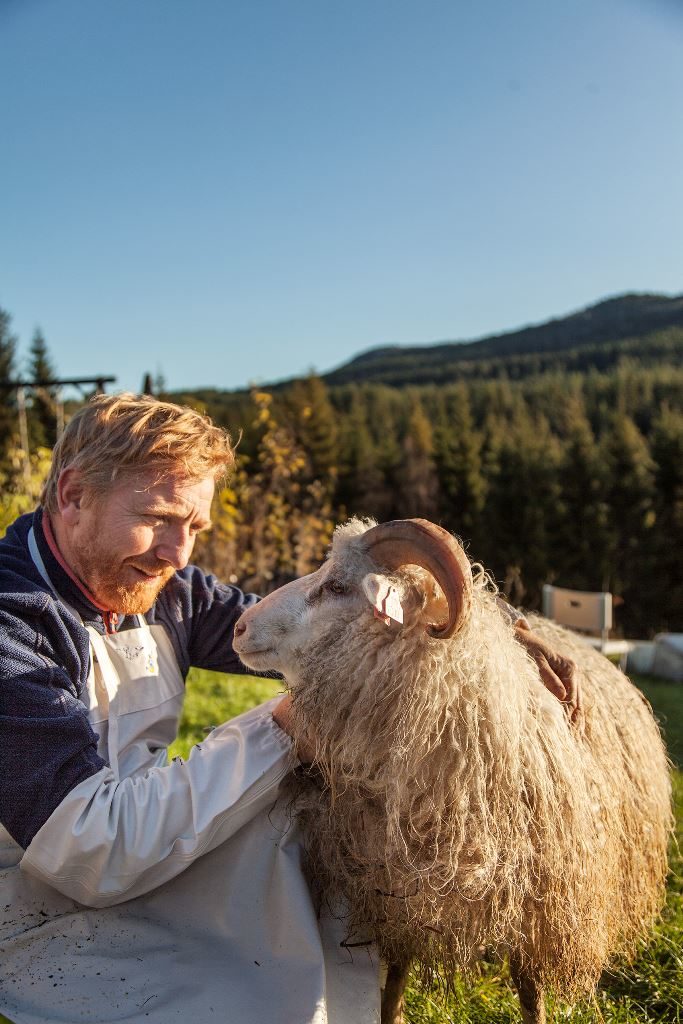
175	547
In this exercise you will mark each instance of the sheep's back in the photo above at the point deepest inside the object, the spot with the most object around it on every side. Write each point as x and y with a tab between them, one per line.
628	769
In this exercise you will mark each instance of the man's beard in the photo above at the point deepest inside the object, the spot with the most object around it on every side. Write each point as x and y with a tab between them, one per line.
110	580
138	598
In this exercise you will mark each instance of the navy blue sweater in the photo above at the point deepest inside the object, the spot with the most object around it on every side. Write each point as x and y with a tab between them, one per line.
47	745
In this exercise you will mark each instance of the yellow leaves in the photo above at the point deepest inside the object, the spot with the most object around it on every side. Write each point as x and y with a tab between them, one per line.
21	483
262	400
227	498
270	525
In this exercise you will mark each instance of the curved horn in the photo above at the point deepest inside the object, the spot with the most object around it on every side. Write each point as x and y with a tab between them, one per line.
419	542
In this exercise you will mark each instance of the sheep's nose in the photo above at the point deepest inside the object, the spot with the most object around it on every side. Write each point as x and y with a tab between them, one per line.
240	628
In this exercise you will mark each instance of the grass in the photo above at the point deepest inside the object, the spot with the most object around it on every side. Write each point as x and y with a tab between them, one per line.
648	991
212	698
667	703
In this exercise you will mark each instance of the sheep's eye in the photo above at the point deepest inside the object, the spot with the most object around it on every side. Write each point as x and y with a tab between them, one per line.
335	587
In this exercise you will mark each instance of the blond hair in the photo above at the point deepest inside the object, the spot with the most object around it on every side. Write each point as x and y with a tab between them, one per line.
117	435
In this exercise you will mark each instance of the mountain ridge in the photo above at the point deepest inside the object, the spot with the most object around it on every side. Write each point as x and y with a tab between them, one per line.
611	320
646	326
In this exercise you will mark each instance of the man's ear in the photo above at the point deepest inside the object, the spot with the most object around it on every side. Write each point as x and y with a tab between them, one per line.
70	494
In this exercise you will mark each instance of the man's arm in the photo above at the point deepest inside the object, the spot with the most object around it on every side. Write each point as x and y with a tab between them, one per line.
558	674
95	838
199	613
110	840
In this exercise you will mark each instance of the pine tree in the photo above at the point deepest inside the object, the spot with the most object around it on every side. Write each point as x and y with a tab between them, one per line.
663	586
8	424
582	542
631	517
458	458
314	424
361	482
385	409
522	508
42	421
418	494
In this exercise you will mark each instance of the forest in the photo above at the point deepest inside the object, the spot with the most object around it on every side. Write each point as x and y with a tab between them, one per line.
567	470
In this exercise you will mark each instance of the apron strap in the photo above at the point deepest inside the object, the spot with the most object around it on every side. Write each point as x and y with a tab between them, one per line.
106	693
98	654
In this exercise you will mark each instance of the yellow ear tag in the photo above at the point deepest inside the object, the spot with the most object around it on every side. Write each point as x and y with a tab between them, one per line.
388	605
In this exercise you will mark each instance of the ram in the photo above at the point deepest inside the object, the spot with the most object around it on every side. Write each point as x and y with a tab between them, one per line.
453	807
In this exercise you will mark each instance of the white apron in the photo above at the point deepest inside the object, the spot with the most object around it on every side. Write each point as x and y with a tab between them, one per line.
233	938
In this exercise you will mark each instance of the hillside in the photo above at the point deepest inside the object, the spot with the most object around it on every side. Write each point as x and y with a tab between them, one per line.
647	326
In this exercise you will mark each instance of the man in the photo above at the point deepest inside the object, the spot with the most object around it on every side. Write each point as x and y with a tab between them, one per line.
135	889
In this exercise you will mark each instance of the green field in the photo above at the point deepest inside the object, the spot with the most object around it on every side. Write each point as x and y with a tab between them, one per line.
647	991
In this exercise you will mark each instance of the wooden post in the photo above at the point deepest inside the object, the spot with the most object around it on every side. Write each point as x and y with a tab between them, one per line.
23	434
59	402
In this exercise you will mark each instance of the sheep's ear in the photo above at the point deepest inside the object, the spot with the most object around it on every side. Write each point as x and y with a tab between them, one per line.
384	598
436	605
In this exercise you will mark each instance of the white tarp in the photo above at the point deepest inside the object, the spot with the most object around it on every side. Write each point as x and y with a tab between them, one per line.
662	657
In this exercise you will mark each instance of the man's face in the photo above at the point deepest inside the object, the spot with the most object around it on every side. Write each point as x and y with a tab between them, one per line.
125	545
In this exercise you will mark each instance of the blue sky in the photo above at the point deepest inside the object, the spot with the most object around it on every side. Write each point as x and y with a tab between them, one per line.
230	191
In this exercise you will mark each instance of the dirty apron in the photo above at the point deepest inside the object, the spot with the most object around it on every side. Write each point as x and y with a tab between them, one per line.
233	938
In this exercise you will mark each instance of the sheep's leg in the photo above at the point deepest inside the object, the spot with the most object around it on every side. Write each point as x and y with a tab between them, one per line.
392	993
531	998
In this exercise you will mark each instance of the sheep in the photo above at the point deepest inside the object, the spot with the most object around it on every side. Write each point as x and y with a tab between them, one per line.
452	806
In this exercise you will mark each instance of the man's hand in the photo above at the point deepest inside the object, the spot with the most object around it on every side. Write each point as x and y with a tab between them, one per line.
282	715
559	674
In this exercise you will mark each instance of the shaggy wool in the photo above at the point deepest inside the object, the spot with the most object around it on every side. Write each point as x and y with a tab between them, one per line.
454	808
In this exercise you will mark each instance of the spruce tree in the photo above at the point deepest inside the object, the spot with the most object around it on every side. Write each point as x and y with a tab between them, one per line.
582	543
361	484
418	494
458	457
43	410
663	586
523	508
631	518
314	424
8	423
370	456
